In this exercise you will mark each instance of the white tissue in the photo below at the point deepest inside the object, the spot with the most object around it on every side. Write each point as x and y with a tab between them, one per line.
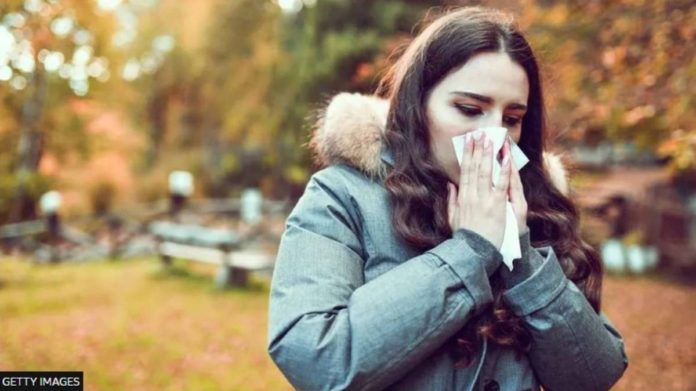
510	249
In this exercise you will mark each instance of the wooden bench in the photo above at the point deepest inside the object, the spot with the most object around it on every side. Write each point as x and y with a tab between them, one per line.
222	247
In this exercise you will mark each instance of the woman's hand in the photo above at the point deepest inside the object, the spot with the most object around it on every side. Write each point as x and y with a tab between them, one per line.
516	196
478	206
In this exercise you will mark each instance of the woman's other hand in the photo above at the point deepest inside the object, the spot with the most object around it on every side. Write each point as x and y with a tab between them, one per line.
516	196
477	205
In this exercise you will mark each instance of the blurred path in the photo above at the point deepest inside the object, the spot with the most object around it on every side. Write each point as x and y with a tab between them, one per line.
658	321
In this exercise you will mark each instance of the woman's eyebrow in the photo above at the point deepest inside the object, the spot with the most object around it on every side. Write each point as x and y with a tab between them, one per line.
482	98
487	99
517	106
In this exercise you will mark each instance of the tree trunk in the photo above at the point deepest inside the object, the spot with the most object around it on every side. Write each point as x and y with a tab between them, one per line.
157	107
29	148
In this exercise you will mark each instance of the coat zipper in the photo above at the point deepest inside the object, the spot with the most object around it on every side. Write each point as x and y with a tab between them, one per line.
478	370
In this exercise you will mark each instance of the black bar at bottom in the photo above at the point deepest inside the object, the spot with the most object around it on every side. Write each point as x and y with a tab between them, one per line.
41	381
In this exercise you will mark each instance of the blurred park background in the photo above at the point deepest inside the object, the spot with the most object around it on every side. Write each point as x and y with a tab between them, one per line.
136	134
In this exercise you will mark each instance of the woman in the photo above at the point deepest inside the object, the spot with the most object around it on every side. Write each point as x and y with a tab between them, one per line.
389	273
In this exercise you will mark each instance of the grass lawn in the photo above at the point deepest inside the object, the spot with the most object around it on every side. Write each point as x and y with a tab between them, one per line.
131	326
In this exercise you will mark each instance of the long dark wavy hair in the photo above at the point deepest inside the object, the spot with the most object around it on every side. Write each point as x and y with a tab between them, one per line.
417	184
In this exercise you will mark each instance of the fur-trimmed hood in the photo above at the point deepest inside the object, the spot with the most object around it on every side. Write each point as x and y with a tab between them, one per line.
351	127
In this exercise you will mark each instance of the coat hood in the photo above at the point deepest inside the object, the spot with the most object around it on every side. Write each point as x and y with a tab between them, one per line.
350	130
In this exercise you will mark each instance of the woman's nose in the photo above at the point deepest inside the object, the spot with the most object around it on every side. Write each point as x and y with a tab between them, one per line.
493	119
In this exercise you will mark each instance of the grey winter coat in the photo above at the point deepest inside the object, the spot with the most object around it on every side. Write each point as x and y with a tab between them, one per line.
352	307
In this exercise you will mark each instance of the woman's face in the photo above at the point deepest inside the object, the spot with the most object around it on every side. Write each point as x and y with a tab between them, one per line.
488	90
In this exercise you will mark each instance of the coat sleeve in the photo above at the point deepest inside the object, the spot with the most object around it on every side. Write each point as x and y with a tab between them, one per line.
573	348
331	330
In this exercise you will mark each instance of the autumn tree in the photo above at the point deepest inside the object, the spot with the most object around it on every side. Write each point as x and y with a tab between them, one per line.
618	71
49	51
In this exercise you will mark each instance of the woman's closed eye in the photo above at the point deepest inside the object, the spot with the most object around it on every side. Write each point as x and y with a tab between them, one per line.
469	111
511	121
474	111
